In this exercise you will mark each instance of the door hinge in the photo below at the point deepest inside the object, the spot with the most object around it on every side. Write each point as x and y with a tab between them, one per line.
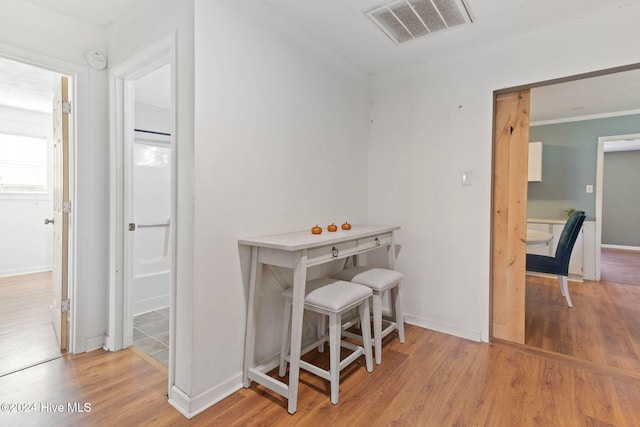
132	227
65	305
66	206
66	107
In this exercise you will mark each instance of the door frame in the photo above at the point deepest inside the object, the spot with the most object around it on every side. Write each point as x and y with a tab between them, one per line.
496	166
78	130
599	191
121	101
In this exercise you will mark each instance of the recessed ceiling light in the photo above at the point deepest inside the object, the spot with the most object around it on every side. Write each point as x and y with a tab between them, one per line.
407	20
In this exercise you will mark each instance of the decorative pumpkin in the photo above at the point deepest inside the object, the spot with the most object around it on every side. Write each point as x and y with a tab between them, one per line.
332	227
346	226
316	230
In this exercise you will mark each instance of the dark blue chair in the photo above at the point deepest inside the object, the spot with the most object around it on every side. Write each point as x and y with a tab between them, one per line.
559	265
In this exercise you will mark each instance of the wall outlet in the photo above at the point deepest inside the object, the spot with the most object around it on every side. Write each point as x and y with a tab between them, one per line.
589	188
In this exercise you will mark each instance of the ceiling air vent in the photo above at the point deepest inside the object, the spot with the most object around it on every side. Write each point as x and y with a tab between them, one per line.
406	20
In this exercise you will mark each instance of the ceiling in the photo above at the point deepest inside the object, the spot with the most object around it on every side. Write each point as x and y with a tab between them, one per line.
606	95
97	12
25	87
343	26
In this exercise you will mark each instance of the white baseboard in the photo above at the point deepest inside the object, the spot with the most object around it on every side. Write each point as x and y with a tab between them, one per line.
192	406
626	248
95	343
446	328
28	270
151	304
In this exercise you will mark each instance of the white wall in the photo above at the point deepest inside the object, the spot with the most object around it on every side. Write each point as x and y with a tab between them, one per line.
281	130
153	118
27	243
37	35
431	122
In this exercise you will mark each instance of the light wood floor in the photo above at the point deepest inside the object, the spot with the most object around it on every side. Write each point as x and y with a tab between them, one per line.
26	332
604	325
432	380
620	266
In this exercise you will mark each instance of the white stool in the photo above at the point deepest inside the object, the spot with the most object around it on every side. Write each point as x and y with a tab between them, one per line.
379	280
330	297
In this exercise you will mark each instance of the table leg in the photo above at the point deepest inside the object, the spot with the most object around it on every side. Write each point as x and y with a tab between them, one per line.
391	253
250	327
299	283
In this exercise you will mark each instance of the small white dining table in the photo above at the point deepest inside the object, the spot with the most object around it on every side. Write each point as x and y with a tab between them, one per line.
298	251
536	237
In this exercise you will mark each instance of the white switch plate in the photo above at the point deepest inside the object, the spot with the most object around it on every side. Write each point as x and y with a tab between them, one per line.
589	188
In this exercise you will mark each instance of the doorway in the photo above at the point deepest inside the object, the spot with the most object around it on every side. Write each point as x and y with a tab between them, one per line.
149	165
142	246
622	205
30	174
593	317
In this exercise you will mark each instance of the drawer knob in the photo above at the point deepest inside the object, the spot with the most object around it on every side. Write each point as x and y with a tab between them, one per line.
377	242
334	252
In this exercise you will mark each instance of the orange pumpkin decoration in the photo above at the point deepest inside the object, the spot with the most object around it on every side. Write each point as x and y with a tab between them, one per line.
316	230
332	227
346	226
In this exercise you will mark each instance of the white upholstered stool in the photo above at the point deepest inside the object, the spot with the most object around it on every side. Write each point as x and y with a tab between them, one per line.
379	280
332	298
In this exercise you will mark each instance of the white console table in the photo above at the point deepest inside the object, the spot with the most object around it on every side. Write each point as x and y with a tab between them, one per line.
299	251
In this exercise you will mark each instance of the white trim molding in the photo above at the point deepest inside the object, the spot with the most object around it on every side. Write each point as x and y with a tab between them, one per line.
599	183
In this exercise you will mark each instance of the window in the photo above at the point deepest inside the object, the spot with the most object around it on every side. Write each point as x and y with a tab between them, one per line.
23	164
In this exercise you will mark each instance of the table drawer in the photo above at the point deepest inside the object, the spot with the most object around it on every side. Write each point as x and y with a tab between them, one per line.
374	241
330	252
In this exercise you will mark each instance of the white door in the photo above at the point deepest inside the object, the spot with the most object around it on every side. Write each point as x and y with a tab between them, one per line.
60	212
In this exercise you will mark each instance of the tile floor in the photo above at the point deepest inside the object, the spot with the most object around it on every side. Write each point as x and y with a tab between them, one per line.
151	334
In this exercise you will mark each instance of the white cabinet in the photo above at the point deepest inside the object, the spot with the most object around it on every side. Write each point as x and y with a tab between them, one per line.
535	162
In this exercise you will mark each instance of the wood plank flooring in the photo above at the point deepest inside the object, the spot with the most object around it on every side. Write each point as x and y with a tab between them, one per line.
432	380
620	266
604	325
26	332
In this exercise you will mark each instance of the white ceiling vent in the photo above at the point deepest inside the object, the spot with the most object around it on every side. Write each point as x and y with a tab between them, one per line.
406	20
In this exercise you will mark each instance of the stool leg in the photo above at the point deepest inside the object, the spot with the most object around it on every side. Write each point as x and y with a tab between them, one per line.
366	333
377	326
321	326
397	304
284	346
335	329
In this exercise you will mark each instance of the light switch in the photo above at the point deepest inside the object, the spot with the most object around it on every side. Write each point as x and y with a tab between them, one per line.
467	178
589	188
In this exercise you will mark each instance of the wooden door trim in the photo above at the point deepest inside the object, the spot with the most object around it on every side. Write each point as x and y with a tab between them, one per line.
508	215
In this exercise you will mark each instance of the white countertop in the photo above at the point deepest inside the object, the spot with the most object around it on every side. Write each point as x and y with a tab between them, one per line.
305	239
537	236
545	221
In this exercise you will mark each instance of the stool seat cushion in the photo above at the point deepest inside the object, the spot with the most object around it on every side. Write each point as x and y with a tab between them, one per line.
331	294
377	279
